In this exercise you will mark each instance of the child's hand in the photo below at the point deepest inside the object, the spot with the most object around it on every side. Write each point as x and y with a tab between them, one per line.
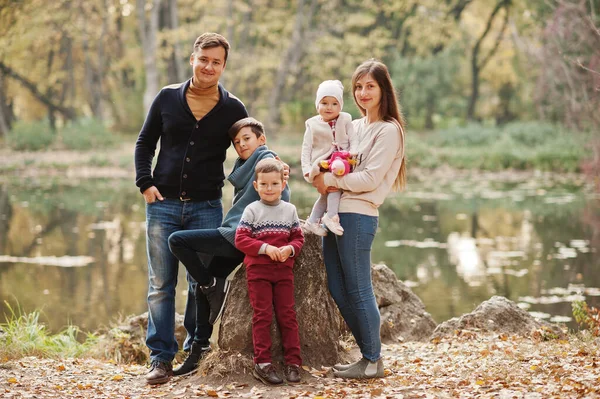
286	252
273	253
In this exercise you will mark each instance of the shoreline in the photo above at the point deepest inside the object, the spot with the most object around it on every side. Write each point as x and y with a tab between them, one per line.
117	163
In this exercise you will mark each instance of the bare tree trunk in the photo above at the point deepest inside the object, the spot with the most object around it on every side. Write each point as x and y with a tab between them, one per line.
476	65
177	55
90	80
229	34
291	58
242	43
45	99
148	32
6	212
99	89
5	109
431	103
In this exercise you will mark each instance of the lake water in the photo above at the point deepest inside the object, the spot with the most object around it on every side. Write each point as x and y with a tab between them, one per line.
76	248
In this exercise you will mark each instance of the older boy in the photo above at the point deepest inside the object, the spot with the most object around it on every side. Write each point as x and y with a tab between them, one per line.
248	138
269	234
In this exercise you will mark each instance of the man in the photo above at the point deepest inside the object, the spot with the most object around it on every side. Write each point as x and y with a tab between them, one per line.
191	119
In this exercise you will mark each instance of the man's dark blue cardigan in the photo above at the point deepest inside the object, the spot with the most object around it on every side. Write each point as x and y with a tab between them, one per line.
192	152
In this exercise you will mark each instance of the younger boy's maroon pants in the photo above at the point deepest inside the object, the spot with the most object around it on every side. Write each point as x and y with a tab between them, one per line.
268	286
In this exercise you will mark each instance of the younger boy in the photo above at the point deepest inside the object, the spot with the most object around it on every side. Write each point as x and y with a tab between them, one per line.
269	234
218	255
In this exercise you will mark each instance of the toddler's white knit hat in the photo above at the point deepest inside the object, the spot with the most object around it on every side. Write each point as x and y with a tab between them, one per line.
333	88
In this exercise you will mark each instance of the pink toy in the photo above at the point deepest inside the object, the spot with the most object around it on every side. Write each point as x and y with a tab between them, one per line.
340	163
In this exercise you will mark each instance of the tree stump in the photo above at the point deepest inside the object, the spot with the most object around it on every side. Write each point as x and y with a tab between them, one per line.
319	320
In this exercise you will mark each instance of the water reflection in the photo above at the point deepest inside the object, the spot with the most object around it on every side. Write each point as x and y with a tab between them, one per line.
457	242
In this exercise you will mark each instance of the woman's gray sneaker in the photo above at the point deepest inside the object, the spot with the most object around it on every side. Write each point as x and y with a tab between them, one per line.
363	369
342	367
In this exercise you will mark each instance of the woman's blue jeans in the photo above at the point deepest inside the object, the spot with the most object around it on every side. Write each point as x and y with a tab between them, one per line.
163	218
348	264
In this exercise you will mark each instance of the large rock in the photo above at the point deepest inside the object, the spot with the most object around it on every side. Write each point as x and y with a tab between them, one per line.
498	315
126	341
403	315
318	317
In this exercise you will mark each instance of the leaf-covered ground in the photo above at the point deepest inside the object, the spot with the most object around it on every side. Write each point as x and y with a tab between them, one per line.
465	366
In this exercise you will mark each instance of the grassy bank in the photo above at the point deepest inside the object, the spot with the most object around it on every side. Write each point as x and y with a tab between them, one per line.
23	334
518	145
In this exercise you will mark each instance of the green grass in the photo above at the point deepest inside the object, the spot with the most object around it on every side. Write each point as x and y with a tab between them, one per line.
86	134
25	335
30	136
518	145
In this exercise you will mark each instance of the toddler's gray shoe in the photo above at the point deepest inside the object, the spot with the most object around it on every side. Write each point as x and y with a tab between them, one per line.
315	228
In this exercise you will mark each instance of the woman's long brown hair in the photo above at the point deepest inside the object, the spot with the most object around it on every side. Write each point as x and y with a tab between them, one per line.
389	108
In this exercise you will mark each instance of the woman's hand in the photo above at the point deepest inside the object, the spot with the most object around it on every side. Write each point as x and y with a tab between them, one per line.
319	184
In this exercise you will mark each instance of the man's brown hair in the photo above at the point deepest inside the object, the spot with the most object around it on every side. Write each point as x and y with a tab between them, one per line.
210	40
268	165
257	127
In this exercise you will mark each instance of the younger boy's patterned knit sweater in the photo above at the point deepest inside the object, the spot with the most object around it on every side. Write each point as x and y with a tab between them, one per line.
263	224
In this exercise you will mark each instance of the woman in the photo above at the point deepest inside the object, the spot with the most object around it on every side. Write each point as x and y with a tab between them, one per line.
380	169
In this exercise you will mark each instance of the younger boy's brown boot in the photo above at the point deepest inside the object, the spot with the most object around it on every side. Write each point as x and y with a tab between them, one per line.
266	374
292	373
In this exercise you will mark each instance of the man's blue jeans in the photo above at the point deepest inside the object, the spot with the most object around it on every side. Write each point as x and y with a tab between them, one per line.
163	218
348	265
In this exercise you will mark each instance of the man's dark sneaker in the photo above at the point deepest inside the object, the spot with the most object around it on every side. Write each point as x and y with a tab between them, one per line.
190	364
160	372
266	374
292	373
216	295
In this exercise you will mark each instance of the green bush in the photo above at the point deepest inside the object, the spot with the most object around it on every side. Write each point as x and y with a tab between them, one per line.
532	133
518	145
25	335
30	136
471	135
85	134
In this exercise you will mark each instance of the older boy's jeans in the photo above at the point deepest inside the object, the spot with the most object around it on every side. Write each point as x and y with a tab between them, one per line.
348	265
221	256
219	259
162	219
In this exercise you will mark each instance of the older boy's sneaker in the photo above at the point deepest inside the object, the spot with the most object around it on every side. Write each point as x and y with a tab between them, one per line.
216	295
160	372
315	228
190	364
292	373
333	224
266	374
363	369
